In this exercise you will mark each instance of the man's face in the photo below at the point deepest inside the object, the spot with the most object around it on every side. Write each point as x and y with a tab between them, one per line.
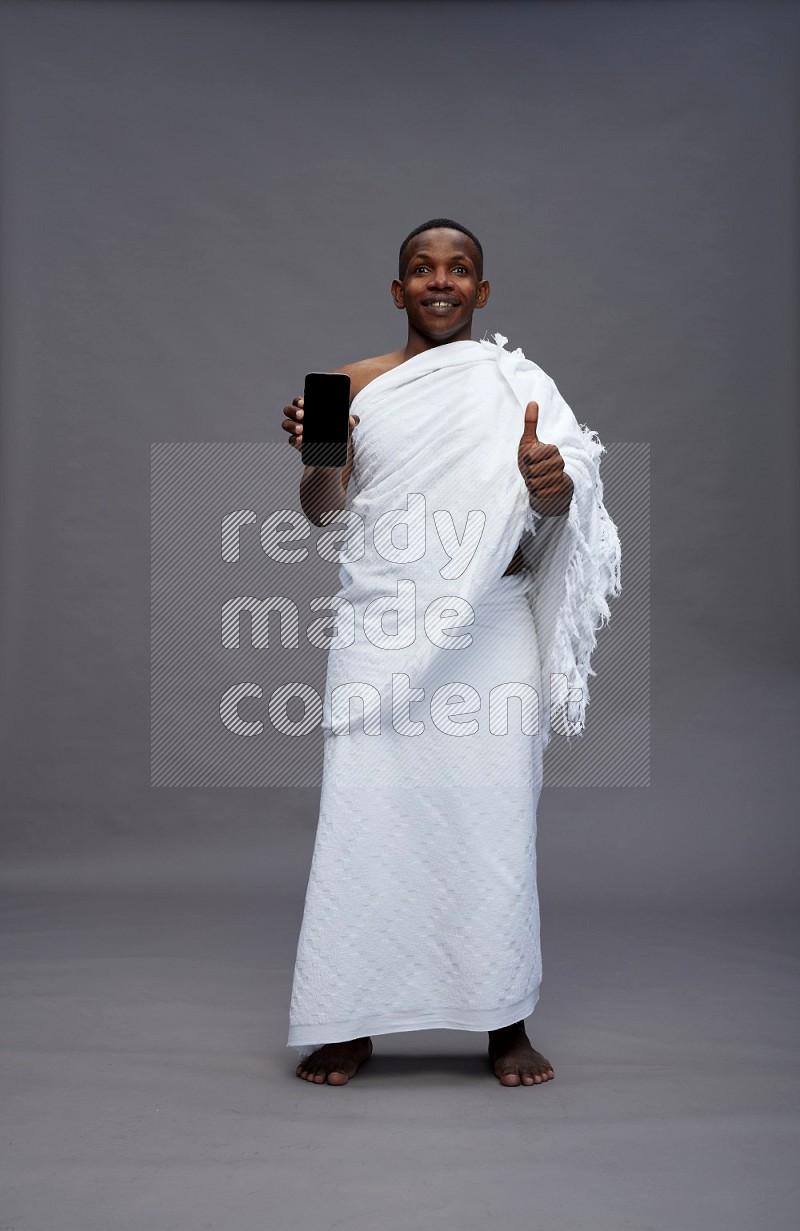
441	288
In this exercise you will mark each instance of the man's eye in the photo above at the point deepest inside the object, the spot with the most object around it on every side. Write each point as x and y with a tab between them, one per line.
463	268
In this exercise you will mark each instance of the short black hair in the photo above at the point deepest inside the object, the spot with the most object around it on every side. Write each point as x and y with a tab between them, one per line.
431	225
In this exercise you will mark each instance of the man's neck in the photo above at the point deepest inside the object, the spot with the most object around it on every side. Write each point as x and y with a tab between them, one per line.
418	342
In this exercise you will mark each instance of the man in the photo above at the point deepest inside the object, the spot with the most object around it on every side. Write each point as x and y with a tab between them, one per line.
422	910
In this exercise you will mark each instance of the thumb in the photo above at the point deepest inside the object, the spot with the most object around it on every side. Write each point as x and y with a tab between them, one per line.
532	420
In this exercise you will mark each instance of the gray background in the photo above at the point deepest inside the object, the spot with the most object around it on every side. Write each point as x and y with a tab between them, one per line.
200	202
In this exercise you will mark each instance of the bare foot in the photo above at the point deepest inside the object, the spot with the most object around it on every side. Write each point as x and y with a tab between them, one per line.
335	1063
515	1062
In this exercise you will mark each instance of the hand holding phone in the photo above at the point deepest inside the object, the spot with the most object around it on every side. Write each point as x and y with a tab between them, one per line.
306	425
326	419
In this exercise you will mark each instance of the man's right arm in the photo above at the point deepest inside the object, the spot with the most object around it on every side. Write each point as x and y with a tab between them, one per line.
322	488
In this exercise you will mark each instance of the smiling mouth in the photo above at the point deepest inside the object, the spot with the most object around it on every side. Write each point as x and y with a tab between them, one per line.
440	305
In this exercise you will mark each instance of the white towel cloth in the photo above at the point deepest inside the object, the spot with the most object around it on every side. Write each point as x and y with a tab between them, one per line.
421	909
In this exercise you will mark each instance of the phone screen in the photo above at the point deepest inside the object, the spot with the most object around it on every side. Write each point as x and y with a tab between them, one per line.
326	415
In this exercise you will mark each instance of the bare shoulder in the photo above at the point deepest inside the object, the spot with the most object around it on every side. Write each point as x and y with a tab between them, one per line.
362	371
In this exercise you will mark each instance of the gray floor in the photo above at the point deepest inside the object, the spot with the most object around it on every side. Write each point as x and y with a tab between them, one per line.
148	1086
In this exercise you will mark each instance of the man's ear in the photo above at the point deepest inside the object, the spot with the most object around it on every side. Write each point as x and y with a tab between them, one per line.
397	294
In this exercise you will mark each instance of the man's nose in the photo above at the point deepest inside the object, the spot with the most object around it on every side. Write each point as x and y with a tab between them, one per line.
440	278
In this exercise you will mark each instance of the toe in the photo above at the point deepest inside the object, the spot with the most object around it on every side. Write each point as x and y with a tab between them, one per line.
509	1077
527	1077
337	1078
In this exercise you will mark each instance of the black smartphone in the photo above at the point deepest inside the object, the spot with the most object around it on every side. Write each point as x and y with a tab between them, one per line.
326	417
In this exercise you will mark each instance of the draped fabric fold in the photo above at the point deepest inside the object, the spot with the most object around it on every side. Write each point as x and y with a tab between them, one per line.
441	507
574	564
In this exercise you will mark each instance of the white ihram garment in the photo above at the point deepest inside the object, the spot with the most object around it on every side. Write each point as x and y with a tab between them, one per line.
421	909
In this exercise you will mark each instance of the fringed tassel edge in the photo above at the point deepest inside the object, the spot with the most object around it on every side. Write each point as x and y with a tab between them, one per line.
591	579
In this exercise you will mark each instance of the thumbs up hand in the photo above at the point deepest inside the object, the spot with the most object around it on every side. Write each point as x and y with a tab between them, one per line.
542	468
